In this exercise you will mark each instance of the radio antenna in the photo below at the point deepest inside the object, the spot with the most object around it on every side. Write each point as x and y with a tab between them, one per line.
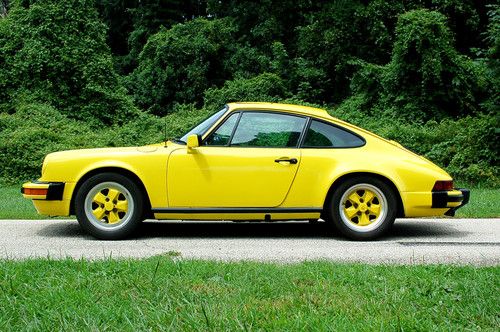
165	129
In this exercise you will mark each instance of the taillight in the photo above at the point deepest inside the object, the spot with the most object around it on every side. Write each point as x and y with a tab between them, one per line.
443	185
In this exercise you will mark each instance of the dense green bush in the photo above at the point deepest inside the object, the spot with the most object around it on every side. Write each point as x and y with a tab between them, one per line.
149	129
493	58
425	73
467	148
55	52
426	77
35	130
131	22
179	64
326	45
265	87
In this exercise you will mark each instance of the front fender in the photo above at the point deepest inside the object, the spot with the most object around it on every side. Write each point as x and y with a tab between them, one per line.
149	168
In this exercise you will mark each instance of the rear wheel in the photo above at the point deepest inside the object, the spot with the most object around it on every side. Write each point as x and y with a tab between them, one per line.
362	208
109	206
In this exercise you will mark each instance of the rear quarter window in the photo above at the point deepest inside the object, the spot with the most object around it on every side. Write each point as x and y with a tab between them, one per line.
325	135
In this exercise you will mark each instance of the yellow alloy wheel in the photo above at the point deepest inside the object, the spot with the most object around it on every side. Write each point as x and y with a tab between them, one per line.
363	207
108	204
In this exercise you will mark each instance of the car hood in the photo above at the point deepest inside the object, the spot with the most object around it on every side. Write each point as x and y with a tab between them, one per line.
101	152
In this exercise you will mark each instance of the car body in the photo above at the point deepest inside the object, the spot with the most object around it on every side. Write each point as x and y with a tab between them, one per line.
249	161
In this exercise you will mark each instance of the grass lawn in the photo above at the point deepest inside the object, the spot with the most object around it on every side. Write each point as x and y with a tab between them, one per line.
483	204
165	293
14	206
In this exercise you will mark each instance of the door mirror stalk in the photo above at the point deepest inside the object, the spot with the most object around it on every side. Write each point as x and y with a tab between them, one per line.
193	141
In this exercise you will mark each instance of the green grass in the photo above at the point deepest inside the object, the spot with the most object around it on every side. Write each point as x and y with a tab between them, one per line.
167	293
483	204
14	206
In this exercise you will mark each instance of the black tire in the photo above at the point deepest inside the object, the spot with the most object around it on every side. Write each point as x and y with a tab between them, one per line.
352	212
105	214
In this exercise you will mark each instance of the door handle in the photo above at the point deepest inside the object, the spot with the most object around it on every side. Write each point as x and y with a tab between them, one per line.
291	160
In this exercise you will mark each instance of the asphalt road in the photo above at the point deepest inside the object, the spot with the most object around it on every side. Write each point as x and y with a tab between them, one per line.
412	241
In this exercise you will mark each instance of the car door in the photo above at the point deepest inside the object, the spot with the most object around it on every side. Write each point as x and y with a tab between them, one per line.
250	160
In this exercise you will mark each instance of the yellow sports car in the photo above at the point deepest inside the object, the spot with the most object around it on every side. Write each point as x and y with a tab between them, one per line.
249	161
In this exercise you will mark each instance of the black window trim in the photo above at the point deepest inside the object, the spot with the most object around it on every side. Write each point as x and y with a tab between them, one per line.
240	114
241	111
304	132
220	125
331	147
225	108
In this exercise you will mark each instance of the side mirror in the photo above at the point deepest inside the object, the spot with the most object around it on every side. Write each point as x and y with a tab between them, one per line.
193	141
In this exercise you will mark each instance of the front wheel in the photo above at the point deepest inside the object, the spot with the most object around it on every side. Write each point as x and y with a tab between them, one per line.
362	208
109	206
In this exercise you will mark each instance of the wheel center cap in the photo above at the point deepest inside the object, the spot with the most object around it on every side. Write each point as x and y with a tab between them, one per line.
108	206
363	207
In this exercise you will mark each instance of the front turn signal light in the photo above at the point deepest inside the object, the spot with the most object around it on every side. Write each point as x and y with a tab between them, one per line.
35	191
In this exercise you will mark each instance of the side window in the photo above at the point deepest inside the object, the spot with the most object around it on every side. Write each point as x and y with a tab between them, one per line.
268	130
221	136
321	135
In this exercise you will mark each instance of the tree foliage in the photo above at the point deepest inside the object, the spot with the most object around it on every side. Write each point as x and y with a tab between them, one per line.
4	7
265	87
493	58
411	70
177	65
131	22
55	53
426	77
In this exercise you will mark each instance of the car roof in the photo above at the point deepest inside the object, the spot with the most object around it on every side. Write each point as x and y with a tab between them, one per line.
299	109
318	112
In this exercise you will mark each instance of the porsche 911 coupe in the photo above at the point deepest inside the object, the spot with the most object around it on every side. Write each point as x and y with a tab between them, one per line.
249	161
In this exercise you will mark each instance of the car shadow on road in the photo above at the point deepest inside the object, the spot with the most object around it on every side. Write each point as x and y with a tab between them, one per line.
236	230
401	230
62	229
421	229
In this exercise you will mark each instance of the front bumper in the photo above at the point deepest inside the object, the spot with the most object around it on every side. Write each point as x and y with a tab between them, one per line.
453	200
38	190
49	198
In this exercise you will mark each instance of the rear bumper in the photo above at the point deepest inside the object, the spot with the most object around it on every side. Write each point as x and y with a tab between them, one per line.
453	200
38	190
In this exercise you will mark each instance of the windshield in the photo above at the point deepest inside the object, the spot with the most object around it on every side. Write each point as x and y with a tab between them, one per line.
201	128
